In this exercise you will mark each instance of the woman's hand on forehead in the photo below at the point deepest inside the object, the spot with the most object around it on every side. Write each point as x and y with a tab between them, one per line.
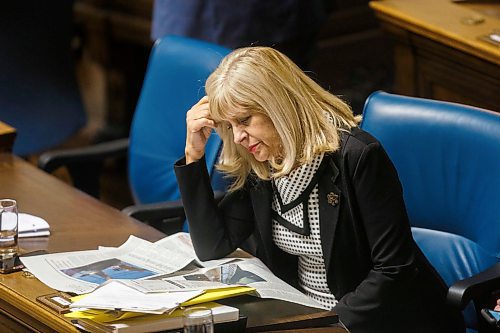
199	125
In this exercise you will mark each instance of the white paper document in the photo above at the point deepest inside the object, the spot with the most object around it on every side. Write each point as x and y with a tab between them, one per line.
114	295
32	226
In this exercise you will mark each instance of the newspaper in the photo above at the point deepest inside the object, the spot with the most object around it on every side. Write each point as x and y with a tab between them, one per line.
243	272
82	271
166	266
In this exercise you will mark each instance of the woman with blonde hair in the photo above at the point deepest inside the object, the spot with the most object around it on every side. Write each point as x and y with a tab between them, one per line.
318	197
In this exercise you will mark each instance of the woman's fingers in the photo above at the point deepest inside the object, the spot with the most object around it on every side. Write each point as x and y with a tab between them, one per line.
198	116
198	124
203	102
199	110
199	127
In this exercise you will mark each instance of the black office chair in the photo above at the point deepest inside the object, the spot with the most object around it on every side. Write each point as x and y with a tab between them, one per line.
448	159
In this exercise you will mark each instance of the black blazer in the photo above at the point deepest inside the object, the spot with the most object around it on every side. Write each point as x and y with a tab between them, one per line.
374	268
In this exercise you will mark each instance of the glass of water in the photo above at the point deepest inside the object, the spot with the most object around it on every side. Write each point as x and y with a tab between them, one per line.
8	228
198	320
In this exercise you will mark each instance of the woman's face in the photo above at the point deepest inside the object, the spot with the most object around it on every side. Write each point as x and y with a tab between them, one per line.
256	133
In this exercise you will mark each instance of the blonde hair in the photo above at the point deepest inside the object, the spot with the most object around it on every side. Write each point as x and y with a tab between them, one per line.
263	80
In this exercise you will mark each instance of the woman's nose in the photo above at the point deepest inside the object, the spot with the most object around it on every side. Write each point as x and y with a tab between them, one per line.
239	135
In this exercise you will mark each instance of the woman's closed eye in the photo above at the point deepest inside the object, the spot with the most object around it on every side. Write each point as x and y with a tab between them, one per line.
244	120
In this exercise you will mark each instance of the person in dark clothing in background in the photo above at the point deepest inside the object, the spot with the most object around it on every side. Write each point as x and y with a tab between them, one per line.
290	26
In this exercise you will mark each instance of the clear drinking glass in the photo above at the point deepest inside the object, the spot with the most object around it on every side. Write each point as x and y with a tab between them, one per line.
198	320
8	228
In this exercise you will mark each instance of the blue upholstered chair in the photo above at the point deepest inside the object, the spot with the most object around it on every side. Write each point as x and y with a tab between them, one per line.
448	159
39	95
174	81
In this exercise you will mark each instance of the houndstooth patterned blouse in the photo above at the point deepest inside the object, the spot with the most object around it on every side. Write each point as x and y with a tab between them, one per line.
296	227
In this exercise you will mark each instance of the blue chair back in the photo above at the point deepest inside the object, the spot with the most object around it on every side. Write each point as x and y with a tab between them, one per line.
448	159
39	95
175	78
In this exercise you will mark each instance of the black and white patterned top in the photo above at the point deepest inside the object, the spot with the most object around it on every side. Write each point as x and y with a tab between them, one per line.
296	227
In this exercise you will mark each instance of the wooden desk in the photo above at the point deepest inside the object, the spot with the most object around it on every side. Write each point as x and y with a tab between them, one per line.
80	222
438	53
7	136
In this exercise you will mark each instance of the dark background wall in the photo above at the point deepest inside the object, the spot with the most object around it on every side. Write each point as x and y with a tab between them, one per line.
112	43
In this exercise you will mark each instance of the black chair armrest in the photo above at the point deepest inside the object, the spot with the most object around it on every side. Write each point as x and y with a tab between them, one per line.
155	211
167	217
84	164
477	287
53	160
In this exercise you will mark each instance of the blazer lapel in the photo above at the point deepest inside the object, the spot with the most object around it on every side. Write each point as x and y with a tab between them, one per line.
261	196
330	199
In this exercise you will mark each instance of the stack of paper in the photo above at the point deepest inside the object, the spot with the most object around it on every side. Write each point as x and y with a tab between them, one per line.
123	295
117	296
118	306
32	226
128	322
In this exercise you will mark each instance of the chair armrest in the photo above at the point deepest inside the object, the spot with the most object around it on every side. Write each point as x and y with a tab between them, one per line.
84	164
475	287
155	211
167	217
52	160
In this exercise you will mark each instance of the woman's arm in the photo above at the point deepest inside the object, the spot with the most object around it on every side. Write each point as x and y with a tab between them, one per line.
216	231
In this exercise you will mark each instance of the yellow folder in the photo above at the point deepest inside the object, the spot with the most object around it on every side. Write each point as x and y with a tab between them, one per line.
107	316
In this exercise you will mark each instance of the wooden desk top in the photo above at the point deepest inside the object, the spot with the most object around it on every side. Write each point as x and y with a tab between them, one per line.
443	21
77	221
80	222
